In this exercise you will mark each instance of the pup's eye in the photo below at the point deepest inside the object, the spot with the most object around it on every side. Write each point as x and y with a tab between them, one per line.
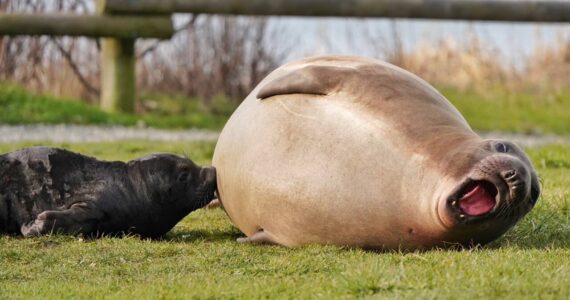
502	148
183	177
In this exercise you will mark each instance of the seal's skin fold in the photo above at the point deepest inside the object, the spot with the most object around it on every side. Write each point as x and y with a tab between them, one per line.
357	152
45	190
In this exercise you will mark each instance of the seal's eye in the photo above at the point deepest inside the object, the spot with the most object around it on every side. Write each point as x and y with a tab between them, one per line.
183	177
502	148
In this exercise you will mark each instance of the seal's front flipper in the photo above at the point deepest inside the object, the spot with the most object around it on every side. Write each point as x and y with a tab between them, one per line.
79	218
260	237
311	80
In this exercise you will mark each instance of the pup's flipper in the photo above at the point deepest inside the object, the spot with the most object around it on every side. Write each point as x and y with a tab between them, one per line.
80	218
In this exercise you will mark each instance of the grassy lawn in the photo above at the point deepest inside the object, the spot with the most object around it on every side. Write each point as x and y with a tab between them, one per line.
495	110
200	259
17	106
498	110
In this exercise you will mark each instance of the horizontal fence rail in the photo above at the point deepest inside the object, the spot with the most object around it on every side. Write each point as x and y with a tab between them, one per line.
485	10
86	25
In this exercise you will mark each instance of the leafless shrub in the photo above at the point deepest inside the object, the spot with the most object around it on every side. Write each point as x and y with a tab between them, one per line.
214	56
59	66
207	57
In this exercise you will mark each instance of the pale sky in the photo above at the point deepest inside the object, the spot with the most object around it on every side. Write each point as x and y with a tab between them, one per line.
348	36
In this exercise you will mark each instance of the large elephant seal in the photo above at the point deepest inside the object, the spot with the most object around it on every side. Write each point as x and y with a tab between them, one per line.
357	152
44	190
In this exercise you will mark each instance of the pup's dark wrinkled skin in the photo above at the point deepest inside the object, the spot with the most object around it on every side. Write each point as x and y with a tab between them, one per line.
47	190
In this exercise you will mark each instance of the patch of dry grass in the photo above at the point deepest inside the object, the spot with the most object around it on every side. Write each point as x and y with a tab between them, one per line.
481	68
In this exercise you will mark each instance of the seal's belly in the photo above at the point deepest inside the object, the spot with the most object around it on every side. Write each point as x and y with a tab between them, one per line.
353	151
310	172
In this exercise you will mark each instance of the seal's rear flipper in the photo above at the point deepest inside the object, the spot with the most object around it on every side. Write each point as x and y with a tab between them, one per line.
79	218
260	237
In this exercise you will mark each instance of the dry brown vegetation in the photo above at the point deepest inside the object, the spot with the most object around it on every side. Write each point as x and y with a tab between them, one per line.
59	66
208	56
478	66
549	67
212	56
475	67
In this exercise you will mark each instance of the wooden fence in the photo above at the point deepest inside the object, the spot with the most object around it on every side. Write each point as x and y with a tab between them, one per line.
120	22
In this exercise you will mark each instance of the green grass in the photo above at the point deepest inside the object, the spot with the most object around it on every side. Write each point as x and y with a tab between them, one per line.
17	106
200	259
497	110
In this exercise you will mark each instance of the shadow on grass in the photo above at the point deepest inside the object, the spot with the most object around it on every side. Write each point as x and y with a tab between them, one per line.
544	229
530	244
541	241
197	235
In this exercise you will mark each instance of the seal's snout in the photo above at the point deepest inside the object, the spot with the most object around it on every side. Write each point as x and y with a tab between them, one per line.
208	185
509	174
516	181
208	175
496	183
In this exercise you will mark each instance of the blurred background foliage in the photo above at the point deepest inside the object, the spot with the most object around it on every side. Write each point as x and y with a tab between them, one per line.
198	77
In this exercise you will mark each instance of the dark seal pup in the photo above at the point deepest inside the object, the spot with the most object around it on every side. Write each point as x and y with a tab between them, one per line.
44	190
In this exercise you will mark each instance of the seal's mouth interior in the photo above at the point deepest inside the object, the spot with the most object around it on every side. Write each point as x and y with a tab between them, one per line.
477	198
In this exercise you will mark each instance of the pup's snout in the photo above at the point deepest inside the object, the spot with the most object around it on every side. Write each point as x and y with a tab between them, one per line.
208	174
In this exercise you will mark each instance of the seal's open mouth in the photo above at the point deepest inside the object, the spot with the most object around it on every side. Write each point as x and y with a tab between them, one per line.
477	198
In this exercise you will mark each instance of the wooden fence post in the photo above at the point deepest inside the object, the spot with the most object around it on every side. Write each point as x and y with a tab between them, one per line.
118	79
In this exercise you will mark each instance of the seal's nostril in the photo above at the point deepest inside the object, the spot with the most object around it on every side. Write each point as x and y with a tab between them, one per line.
509	174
